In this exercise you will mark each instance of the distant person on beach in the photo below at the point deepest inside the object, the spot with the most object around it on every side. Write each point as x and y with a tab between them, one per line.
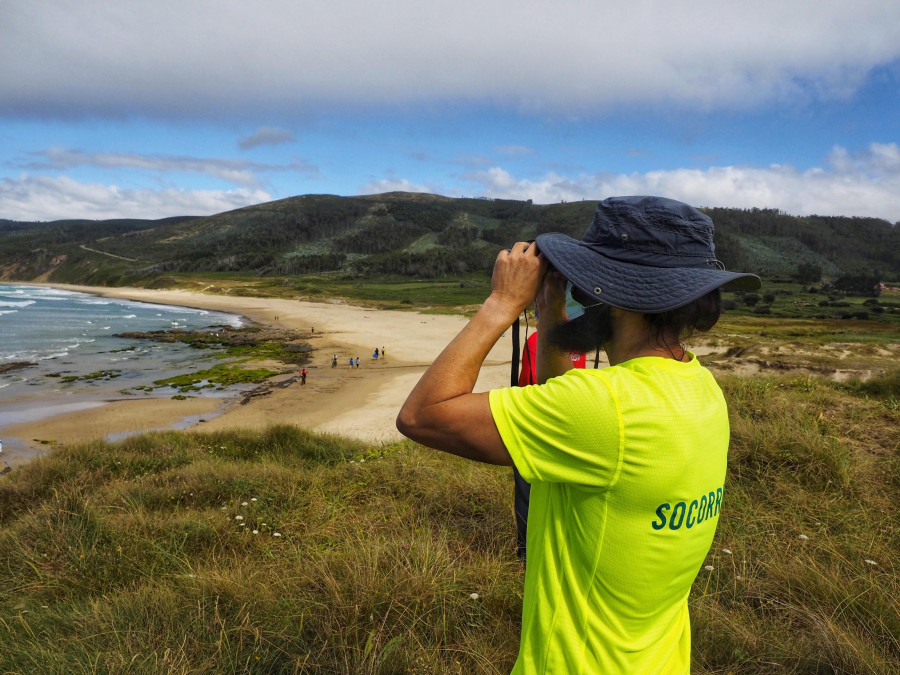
351	361
357	362
626	463
334	361
303	376
376	353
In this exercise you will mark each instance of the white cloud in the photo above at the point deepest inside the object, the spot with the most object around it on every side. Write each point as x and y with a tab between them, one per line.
864	184
215	57
234	171
32	198
879	160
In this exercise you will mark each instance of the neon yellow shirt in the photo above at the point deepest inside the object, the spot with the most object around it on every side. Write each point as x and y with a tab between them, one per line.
627	467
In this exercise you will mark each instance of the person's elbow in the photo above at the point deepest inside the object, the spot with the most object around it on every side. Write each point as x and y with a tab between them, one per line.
417	424
406	422
462	427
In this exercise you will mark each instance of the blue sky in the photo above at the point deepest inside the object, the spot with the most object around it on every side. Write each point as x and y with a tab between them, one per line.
147	110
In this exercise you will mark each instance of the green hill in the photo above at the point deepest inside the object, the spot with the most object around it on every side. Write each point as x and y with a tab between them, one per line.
413	235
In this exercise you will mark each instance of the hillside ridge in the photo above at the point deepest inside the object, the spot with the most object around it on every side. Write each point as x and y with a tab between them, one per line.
405	234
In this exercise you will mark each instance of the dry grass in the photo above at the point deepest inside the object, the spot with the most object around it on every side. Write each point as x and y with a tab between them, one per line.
141	557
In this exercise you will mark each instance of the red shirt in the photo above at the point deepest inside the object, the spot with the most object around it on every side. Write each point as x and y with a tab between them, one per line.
528	375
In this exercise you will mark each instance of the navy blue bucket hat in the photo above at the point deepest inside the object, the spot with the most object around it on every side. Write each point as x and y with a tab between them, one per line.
644	254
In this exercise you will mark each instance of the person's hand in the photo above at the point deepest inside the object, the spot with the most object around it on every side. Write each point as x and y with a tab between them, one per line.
518	274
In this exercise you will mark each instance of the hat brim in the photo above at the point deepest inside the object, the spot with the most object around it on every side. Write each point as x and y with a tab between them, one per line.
637	288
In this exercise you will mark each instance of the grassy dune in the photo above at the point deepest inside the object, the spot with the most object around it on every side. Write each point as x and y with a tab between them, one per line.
288	552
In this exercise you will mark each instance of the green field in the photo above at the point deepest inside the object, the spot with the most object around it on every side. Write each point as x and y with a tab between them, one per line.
290	552
778	298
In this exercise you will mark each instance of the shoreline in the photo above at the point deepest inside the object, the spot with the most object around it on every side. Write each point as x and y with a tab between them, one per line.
359	403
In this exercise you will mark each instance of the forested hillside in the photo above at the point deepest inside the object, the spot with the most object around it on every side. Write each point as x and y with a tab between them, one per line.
425	236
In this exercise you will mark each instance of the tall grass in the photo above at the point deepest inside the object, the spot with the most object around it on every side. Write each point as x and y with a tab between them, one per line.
805	576
238	552
289	552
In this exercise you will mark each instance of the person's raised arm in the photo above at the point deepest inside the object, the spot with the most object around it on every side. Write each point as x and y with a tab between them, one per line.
441	411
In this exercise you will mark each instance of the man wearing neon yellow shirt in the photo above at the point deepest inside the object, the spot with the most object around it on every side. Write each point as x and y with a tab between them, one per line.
627	464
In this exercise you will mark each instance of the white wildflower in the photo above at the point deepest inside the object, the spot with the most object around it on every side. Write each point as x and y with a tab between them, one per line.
803	537
239	517
255	531
871	562
726	551
474	596
709	568
276	534
253	499
243	503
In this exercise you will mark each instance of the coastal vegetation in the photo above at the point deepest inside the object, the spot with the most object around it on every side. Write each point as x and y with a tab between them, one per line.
291	552
88	377
15	365
220	375
255	341
412	236
245	348
258	342
405	251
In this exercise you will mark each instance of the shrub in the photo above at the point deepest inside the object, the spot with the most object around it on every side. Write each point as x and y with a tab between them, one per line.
885	386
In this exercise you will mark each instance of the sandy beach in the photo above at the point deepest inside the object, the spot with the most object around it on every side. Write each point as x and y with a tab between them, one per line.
357	403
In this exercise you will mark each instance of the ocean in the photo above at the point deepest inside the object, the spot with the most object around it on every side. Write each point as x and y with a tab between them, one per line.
70	335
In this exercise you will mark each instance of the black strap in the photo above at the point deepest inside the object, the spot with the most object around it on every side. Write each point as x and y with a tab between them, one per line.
522	490
514	370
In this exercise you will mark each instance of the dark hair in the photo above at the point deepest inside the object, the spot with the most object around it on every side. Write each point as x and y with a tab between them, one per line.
699	315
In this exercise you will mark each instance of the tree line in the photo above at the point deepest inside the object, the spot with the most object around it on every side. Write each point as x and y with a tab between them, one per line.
424	236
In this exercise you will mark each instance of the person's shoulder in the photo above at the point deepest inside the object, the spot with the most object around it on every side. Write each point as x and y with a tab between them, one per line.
577	380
